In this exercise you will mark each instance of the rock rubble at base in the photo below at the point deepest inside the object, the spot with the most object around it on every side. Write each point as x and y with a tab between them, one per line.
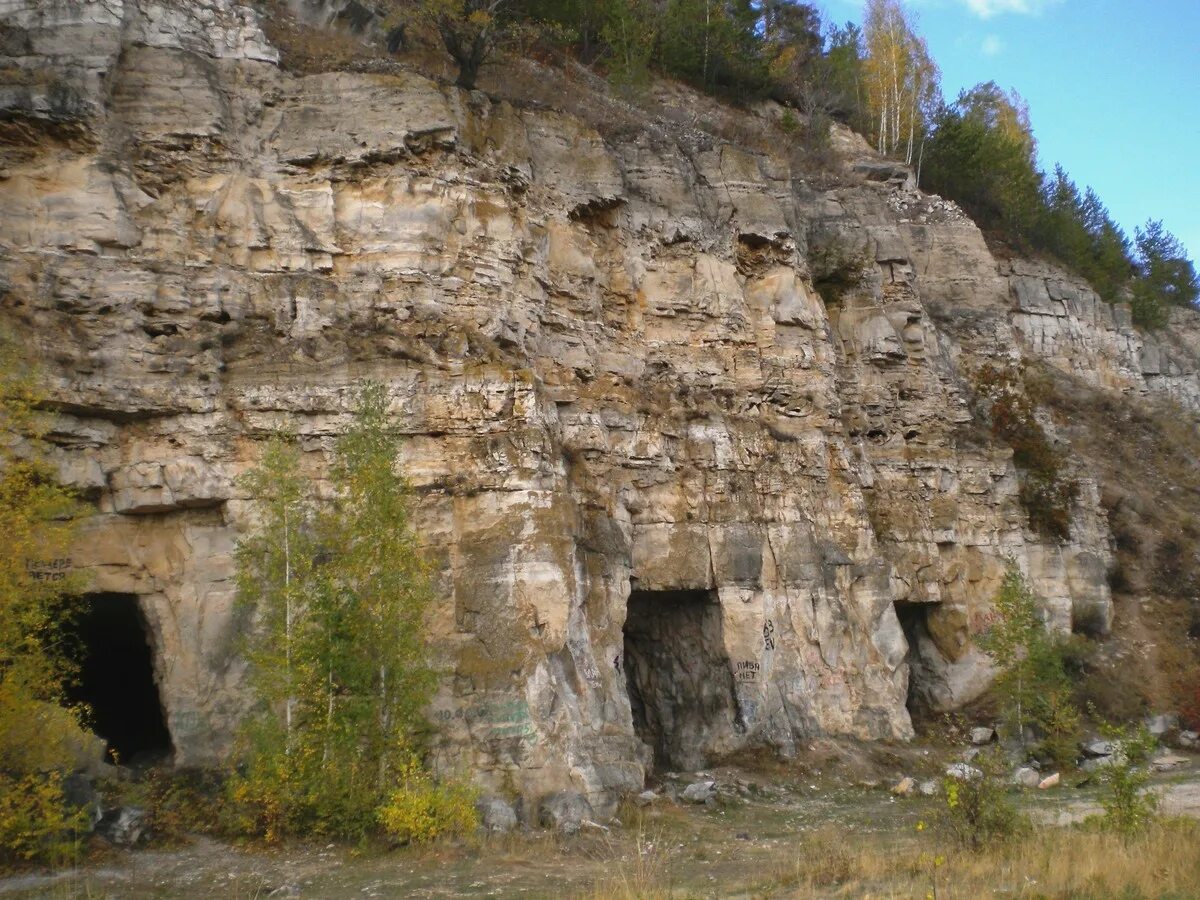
565	812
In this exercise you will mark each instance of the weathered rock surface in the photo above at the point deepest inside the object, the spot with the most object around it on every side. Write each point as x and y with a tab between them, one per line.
565	812
982	735
496	814
700	792
1027	777
617	368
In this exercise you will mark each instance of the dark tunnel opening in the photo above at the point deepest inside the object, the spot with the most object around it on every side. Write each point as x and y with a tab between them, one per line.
914	620
677	673
116	679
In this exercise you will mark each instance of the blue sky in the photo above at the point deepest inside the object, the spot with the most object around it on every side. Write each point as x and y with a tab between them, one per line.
1113	88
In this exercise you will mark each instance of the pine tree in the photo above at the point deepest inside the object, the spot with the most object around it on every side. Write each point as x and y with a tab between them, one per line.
1166	276
630	31
981	155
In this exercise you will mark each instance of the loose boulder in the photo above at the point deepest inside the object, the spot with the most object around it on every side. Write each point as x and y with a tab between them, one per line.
124	826
565	812
963	772
1097	748
700	792
1161	724
1027	777
496	814
982	736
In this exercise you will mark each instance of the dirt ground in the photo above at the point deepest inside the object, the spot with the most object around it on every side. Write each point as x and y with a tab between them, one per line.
766	821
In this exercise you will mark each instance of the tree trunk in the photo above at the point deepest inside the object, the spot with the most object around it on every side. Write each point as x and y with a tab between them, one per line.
383	727
290	700
468	72
707	25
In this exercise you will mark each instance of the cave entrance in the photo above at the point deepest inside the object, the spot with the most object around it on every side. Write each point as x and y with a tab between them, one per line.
677	674
914	620
116	679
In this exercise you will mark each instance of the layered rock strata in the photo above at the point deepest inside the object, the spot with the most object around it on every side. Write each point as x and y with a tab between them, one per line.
665	365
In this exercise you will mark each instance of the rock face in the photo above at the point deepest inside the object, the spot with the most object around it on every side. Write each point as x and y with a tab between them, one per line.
665	367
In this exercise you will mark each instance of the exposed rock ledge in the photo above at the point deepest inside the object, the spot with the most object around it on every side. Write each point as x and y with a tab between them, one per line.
611	364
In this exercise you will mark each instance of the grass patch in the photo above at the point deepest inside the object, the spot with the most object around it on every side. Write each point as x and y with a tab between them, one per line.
1077	863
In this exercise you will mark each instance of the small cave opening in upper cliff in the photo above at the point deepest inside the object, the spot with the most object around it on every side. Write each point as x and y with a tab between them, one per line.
111	645
677	674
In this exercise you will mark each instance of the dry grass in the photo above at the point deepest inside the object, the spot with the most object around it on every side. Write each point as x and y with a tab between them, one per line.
1051	863
643	871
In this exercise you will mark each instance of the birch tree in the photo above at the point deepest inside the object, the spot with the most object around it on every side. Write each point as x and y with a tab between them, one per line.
276	565
1032	685
900	79
377	589
338	592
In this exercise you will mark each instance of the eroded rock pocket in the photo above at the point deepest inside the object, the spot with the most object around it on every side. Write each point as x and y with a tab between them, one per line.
678	676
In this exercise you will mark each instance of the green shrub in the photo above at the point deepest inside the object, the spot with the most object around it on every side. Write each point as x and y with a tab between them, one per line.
1128	808
1033	686
1189	707
1061	725
39	739
1047	489
37	824
180	802
978	811
1147	310
423	810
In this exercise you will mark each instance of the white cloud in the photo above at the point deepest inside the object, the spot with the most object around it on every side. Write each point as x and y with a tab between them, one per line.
991	46
986	9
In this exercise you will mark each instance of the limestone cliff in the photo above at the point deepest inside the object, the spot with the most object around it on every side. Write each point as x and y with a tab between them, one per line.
666	366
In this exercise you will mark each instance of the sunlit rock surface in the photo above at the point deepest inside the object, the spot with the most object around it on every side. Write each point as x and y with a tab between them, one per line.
657	366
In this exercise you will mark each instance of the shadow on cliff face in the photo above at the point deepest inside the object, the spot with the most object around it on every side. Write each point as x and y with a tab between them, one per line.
678	677
914	620
116	679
